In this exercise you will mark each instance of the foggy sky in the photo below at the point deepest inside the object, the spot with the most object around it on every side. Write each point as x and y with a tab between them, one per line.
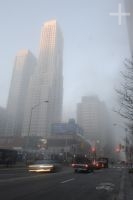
94	45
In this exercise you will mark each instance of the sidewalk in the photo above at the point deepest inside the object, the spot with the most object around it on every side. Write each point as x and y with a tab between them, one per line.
128	186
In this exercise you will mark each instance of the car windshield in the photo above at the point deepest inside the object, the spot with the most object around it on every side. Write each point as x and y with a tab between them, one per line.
81	160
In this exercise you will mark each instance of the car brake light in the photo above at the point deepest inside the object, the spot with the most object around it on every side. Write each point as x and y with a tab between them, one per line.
73	165
86	166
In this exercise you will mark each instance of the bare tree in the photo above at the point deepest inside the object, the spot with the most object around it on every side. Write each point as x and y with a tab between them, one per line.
125	93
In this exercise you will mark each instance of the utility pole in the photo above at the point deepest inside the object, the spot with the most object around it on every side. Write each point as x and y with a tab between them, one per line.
29	127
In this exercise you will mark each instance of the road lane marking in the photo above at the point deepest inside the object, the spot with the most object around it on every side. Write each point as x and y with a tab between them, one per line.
29	177
72	179
106	186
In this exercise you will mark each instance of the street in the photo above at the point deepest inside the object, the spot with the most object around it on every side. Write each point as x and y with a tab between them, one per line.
104	184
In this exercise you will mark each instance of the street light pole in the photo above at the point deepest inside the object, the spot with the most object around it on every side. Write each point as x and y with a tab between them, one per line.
66	143
125	139
29	127
30	121
126	142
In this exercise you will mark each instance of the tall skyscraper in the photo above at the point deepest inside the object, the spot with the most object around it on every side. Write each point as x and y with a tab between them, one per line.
88	116
24	67
129	9
44	105
2	120
93	117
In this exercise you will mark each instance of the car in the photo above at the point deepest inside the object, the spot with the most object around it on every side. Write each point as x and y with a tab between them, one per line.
44	166
104	161
98	165
82	164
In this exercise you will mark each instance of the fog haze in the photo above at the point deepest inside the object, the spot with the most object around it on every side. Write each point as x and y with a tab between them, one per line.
95	46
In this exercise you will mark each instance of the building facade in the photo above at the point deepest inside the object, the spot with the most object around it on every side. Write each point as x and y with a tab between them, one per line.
93	117
88	115
2	120
46	87
129	9
24	67
70	127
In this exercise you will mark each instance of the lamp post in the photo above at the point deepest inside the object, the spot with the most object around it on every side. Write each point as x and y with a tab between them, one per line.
125	139
32	108
66	143
126	142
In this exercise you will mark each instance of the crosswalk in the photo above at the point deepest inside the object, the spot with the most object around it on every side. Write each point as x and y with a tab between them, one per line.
119	167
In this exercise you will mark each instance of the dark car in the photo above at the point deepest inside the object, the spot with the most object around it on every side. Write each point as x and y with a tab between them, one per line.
98	165
82	164
104	161
44	166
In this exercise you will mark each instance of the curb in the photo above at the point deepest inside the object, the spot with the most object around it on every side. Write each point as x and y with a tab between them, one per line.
121	195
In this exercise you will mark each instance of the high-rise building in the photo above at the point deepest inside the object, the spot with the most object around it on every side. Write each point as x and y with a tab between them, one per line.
24	67
129	9
88	116
44	106
93	117
2	120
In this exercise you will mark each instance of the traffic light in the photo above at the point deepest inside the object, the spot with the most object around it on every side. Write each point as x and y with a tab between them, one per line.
117	149
93	149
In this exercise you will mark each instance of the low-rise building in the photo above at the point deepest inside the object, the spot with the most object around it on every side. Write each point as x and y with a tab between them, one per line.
70	127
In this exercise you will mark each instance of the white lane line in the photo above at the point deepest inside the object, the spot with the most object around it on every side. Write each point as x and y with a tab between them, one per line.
72	179
28	177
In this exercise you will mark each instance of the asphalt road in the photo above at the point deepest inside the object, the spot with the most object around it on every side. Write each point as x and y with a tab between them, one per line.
105	184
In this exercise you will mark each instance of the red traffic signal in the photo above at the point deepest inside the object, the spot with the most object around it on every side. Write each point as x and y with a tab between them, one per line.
117	149
93	149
